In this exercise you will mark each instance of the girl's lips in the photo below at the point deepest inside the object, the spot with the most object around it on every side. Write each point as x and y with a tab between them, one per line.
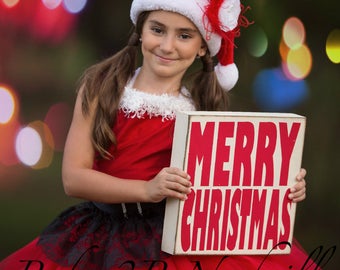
165	59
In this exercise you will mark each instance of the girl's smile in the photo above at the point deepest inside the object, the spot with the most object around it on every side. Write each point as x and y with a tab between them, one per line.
165	59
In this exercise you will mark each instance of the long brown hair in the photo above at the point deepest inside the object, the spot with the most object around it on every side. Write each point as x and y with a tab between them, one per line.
104	83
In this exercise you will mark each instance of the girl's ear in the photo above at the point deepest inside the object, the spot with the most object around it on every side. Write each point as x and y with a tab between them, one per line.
202	51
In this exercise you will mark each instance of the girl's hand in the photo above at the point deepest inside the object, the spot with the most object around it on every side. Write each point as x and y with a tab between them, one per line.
169	182
298	191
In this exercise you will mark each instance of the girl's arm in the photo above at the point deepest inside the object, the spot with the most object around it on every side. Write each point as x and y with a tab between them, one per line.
81	181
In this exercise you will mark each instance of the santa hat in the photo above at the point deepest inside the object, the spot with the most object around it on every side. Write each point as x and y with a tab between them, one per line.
217	21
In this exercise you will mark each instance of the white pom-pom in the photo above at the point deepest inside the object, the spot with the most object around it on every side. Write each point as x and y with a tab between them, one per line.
227	75
228	14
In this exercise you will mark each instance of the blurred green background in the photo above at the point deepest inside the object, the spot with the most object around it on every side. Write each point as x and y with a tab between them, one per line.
44	51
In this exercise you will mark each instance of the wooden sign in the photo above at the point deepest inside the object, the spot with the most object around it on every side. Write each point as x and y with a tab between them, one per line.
242	166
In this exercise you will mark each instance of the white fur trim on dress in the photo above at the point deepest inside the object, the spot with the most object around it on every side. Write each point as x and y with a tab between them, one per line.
135	103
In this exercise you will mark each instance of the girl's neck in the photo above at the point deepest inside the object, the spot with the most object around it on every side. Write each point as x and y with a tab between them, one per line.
157	85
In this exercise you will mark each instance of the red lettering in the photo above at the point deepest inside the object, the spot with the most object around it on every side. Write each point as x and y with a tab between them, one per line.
214	218
250	215
286	207
201	219
225	224
264	155
287	144
186	227
242	157
273	218
244	213
225	130
257	217
234	219
200	150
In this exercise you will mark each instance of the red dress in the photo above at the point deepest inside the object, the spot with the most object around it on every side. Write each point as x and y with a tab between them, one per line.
97	236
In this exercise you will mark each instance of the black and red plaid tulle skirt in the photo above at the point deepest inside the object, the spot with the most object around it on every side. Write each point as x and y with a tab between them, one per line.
95	236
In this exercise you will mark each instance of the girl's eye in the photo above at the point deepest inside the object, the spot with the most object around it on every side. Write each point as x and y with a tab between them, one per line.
184	36
157	30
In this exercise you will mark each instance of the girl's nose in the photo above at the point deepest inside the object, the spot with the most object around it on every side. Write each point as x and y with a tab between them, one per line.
168	43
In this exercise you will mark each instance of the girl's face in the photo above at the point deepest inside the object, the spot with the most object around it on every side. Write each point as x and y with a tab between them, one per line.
170	44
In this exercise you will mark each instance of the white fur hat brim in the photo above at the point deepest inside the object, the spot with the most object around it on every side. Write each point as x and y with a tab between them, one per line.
192	9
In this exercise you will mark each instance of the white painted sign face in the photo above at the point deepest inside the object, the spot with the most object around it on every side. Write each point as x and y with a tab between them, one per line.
242	166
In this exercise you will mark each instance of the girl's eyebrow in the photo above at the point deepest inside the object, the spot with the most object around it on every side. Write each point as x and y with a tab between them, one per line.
183	29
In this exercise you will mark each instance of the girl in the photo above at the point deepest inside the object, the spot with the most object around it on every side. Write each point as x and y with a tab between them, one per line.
118	149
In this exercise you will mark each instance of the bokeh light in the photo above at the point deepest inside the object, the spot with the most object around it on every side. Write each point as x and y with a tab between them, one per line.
58	119
299	63
284	50
7	104
293	33
74	6
51	4
296	56
53	25
28	146
47	143
10	3
257	42
32	145
8	133
9	125
333	46
46	20
273	91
